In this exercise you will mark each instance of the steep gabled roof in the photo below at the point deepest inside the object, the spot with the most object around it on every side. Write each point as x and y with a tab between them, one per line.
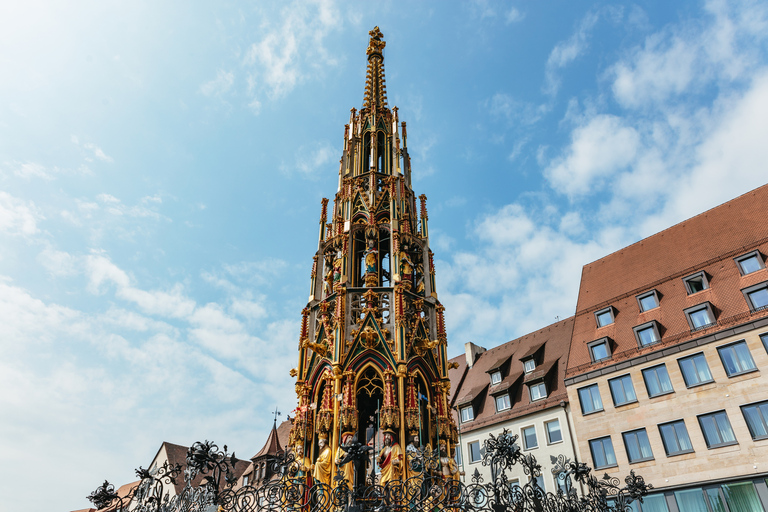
272	446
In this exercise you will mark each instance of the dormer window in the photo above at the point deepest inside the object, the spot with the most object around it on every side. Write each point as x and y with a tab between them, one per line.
245	480
467	414
749	263
604	317
495	377
538	391
648	300
529	365
696	283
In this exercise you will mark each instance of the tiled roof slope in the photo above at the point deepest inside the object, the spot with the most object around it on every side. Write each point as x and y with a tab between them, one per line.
476	383
707	242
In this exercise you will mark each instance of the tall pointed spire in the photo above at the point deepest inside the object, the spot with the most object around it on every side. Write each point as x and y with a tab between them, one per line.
375	86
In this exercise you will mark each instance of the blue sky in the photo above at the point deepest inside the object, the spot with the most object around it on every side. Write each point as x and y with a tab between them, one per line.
162	166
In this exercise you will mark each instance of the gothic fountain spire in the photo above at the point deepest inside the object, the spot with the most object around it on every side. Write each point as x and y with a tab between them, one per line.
375	85
372	346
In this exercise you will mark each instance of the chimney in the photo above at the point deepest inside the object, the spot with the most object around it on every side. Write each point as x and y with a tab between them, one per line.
472	351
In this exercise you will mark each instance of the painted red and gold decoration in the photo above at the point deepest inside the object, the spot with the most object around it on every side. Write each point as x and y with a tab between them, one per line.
372	346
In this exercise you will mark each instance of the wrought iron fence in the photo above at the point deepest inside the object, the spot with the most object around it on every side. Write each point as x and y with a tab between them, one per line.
425	490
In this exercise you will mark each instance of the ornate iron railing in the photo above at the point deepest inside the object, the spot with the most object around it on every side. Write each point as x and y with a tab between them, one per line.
426	490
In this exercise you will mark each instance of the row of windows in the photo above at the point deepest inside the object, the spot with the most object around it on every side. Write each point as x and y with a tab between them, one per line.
734	497
537	391
715	427
699	316
736	359
528	438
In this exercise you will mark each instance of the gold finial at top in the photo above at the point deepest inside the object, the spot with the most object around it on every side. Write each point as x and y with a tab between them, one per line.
376	44
375	86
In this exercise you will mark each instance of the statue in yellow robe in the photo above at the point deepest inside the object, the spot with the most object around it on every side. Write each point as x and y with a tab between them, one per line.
390	459
349	467
322	473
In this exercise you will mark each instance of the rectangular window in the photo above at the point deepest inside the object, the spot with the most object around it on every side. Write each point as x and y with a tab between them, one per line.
647	334
749	263
675	438
540	482
622	390
538	391
696	283
756	296
764	339
648	300
638	446
695	370
599	350
589	397
553	431
700	316
717	429
495	377
602	452
563	482
474	451
458	455
604	317
502	403
467	414
245	480
657	381
529	438
736	358
529	365
756	416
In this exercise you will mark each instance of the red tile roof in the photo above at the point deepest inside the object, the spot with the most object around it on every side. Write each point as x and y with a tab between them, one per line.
707	242
474	384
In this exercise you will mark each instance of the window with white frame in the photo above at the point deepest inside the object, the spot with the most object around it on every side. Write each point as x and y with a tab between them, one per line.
554	435
529	365
502	402
474	452
736	358
467	414
529	438
604	317
696	283
756	296
495	377
538	391
751	262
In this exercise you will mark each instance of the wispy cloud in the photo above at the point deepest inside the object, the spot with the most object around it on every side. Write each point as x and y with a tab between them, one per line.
17	216
91	151
291	49
567	51
311	158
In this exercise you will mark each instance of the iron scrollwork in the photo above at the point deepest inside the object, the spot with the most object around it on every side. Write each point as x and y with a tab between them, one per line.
425	488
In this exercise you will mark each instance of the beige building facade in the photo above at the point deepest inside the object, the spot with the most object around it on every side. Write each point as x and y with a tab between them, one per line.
668	367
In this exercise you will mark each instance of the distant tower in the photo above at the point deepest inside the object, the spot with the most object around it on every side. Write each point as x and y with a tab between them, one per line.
373	333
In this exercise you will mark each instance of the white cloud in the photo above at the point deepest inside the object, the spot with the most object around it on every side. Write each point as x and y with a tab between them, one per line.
91	151
311	158
683	58
514	15
219	85
58	263
18	217
567	51
29	170
292	48
599	149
